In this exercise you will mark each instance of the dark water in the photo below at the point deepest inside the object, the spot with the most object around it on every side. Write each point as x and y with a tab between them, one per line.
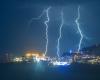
43	72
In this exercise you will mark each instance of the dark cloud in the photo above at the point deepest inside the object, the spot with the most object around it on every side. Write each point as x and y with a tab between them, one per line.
57	2
44	2
16	36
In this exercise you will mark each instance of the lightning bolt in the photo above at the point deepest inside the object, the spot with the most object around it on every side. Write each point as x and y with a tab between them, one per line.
60	35
46	24
79	30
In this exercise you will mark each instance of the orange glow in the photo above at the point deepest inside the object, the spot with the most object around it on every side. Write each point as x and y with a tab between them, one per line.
34	54
28	55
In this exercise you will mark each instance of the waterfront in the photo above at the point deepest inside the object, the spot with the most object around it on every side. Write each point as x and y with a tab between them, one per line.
28	71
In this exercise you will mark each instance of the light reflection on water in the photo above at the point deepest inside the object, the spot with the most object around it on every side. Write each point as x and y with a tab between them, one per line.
39	71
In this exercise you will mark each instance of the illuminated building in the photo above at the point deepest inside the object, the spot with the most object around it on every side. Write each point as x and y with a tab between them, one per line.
30	54
34	56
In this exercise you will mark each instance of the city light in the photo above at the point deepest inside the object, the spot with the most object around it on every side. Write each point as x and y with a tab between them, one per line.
17	59
59	63
37	59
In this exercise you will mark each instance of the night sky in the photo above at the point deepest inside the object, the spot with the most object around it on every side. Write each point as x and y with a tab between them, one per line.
17	36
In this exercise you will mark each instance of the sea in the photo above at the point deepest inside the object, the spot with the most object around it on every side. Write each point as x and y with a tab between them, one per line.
39	71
